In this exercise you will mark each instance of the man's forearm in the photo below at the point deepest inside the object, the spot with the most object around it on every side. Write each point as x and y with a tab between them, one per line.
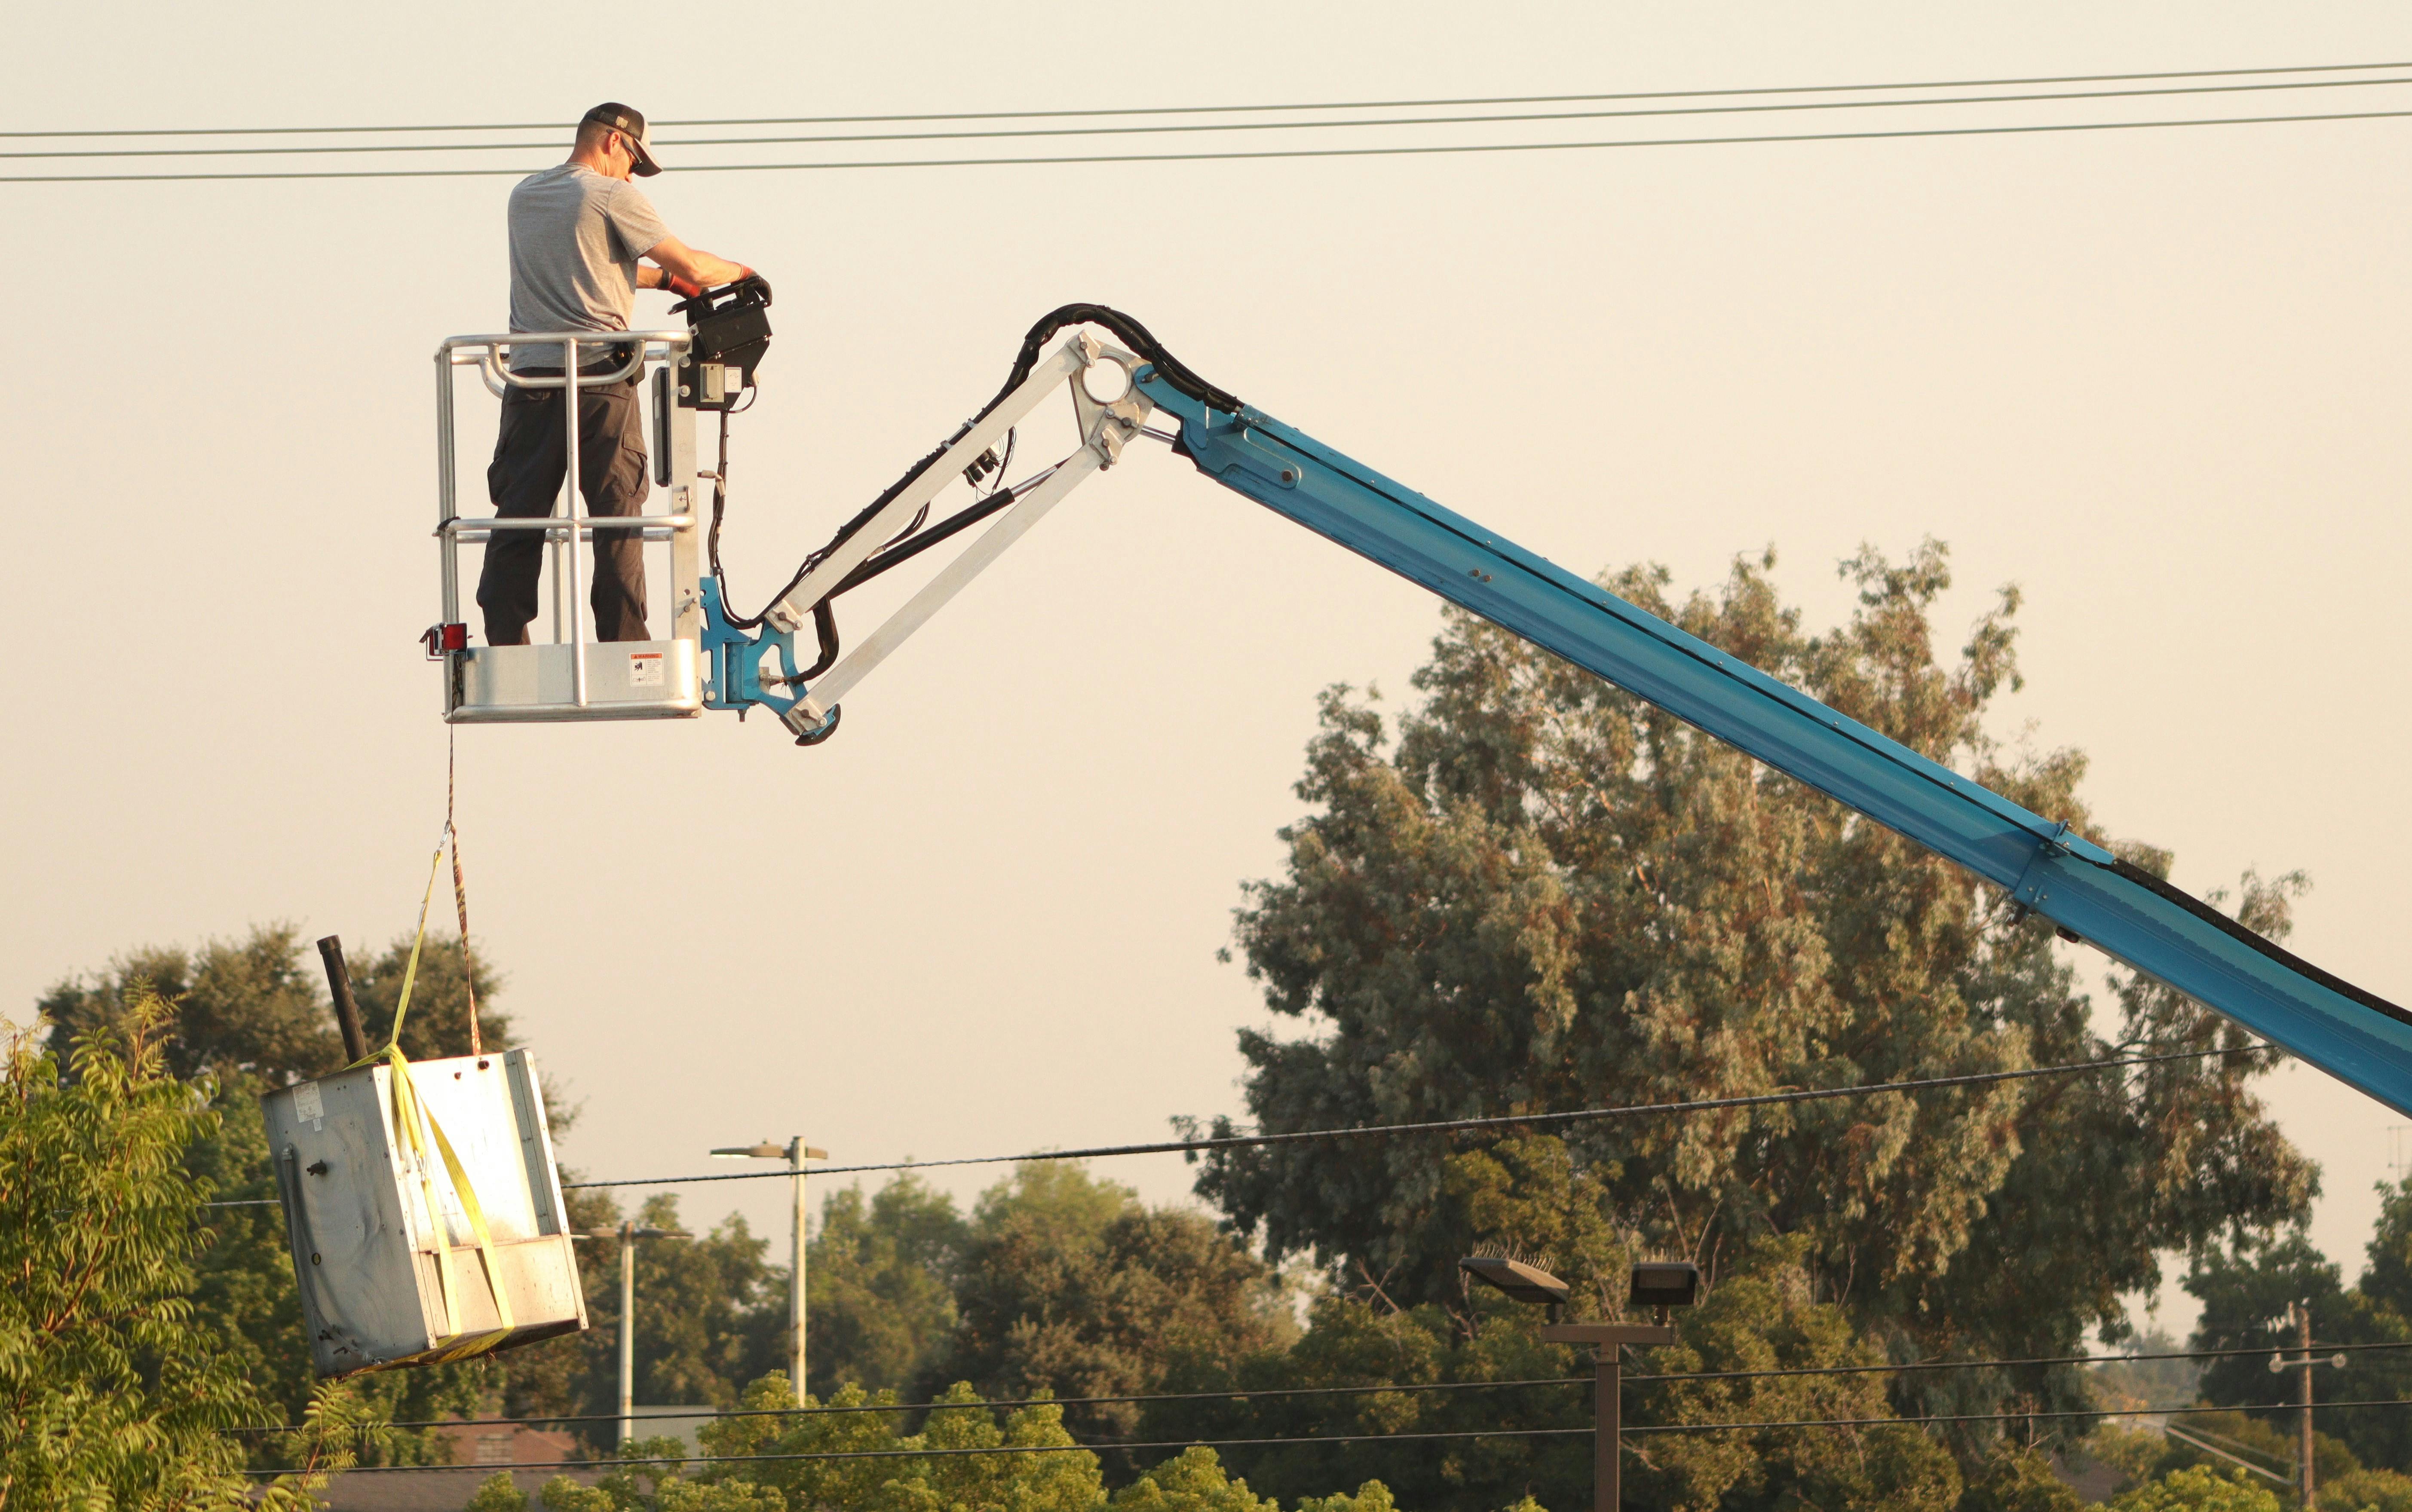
710	271
675	260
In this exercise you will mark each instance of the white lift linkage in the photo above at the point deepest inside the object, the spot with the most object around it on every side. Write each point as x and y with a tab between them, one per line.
1110	410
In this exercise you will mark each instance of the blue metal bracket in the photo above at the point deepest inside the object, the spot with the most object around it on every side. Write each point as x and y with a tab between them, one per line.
732	660
2033	886
732	666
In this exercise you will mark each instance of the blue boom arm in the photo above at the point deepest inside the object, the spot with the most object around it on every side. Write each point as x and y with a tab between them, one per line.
2089	892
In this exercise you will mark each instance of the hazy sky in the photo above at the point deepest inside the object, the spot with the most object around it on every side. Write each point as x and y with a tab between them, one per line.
2155	378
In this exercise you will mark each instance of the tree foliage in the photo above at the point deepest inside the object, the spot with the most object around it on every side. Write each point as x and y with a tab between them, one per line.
259	1005
1071	1286
1533	893
892	1479
1761	1318
2247	1288
880	1283
1543	893
247	1016
2197	1489
2367	1491
115	1389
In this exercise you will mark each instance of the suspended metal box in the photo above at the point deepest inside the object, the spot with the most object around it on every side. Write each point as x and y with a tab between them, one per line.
390	1264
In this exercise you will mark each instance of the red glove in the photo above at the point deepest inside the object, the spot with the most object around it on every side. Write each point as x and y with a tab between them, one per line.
683	288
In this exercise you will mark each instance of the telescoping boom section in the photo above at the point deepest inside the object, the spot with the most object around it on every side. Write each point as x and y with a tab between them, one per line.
2085	890
2090	893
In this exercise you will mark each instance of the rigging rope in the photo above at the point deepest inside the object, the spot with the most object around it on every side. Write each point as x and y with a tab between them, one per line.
460	888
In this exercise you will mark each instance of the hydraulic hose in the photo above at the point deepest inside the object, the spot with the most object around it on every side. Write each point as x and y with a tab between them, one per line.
1129	331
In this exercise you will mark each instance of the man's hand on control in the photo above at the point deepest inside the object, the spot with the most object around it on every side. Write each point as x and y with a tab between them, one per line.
686	272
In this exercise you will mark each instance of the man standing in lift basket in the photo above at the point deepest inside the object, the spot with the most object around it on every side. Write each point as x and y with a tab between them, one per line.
576	232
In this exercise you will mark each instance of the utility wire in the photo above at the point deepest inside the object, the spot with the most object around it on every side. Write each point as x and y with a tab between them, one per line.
993	1405
1907	1367
708	1460
1067	159
1330	1390
1238	109
937	1454
1225	125
2015	1417
1243	1141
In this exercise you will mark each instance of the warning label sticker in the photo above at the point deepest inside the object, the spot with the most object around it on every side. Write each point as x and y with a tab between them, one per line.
308	1104
644	669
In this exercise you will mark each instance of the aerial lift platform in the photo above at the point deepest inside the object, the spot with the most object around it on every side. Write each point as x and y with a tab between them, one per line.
1129	389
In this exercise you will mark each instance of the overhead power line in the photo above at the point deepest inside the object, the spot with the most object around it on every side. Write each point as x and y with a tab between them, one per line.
1463	1125
705	1460
702	1459
1239	110
1194	126
1629	1379
1089	160
2009	1417
1460	1125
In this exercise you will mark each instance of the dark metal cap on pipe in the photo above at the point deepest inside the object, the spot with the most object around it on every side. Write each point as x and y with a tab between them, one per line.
347	1008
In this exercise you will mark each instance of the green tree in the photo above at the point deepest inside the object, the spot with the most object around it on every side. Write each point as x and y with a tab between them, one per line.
2197	1489
2245	1289
1760	1318
897	1481
438	1021
706	1323
709	1318
1547	894
2380	1436
258	1005
2268	1448
2367	1491
881	1278
1071	1286
238	1006
114	1391
1192	1481
253	1015
2017	1479
1764	1316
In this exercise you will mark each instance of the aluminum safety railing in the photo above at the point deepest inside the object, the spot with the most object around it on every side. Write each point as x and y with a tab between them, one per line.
574	676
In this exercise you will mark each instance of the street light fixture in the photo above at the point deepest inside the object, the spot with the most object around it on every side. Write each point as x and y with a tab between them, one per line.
1524	1283
627	1234
1658	1285
795	1152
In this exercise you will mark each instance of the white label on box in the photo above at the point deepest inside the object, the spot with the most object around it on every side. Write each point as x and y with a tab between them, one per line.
307	1103
644	669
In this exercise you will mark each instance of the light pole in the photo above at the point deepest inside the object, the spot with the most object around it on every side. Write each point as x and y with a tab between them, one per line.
627	1234
2299	1314
795	1152
1654	1285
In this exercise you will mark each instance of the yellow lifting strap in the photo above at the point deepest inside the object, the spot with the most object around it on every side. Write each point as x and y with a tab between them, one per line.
409	1111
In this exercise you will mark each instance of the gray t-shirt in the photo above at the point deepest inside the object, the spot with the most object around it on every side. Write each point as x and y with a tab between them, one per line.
575	237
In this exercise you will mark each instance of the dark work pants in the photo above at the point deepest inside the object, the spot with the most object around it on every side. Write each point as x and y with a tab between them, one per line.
530	456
